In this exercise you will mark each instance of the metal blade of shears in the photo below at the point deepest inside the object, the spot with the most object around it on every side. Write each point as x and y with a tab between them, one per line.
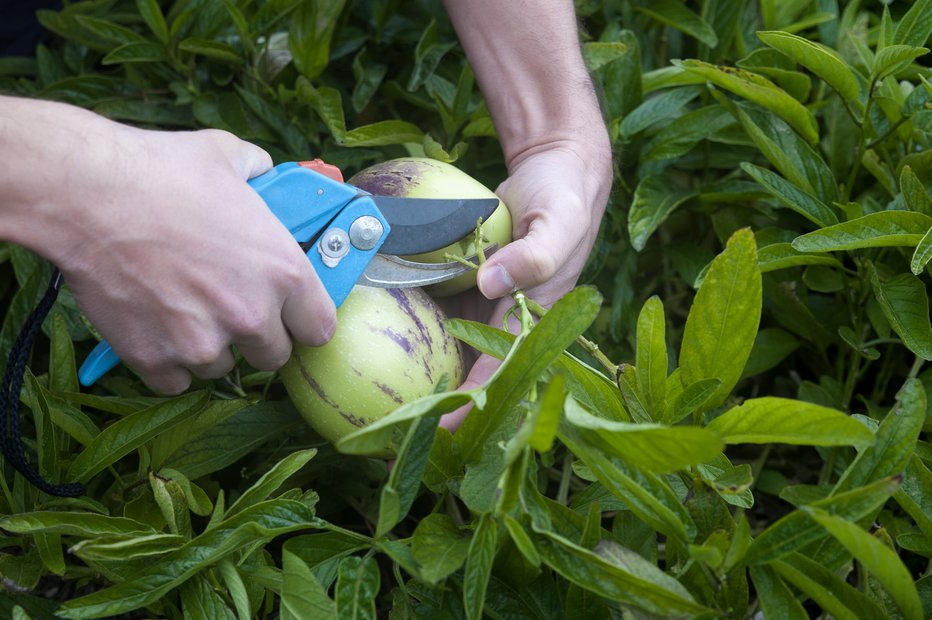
387	271
427	224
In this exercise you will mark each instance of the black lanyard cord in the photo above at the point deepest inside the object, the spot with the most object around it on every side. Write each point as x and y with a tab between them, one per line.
11	440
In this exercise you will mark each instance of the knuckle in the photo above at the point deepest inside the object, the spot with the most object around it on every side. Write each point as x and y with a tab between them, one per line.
201	352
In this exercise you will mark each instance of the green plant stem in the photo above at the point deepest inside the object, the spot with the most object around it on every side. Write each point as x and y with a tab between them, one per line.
566	475
862	144
916	367
590	347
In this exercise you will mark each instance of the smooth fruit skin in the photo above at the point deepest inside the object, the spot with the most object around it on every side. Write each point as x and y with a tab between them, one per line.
389	349
420	177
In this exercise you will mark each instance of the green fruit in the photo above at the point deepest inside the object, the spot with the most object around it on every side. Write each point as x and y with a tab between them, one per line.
389	349
419	177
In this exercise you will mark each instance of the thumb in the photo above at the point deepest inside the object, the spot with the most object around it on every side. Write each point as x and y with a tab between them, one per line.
246	158
533	259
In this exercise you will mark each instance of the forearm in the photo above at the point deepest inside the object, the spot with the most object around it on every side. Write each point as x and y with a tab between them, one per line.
528	62
52	153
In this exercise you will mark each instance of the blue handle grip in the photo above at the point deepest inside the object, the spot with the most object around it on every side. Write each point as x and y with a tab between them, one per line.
304	201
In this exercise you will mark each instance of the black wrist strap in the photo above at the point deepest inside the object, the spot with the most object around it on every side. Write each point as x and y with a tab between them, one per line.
11	440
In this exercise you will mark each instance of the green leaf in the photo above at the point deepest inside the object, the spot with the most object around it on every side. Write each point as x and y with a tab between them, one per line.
828	589
546	415
882	561
783	256
377	435
478	569
357	586
759	90
796	199
882	229
690	399
522	541
302	594
675	13
790	155
612	577
86	524
797	530
724	317
914	192
211	49
439	546
136	51
776	599
382	133
124	548
893	59
271	480
312	28
648	496
234	437
427	55
685	132
106	30
404	481
328	105
922	254
152	14
654	201
916	25
261	522
905	303
915	496
597	54
651	356
821	60
127	434
557	329
650	447
657	108
782	420
200	600
895	440
235	587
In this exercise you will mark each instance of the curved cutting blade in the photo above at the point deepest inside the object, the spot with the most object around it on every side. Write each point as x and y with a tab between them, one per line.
426	224
386	271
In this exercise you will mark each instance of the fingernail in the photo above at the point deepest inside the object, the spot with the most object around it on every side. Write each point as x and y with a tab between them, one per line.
496	282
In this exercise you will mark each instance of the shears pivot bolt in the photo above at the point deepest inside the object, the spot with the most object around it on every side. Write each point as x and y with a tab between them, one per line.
333	246
365	232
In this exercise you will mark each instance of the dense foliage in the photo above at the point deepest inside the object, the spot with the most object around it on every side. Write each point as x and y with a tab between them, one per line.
729	417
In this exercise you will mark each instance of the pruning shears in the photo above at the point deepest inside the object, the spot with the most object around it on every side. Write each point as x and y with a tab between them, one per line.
350	236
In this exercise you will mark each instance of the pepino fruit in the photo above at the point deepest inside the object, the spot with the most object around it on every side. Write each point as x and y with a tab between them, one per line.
389	349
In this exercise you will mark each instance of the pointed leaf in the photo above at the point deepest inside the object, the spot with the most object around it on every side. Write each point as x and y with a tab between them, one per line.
796	199
882	561
796	529
654	201
783	420
905	303
821	60
724	317
759	90
651	357
882	229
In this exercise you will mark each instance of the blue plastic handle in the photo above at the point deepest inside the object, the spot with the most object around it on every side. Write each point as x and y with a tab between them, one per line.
304	201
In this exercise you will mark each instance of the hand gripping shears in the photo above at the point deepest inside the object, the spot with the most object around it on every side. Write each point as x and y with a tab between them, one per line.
350	236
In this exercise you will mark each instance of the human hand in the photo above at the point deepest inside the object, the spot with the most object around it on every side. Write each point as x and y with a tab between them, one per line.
557	195
167	250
